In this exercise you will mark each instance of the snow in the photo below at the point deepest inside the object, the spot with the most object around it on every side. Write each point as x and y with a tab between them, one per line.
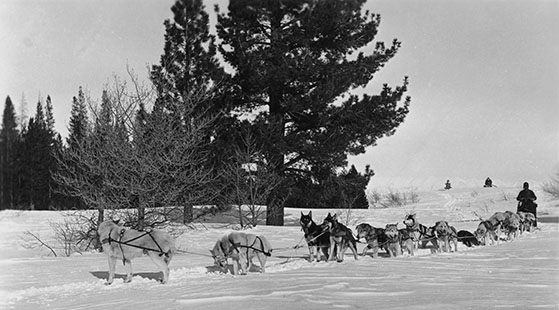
519	274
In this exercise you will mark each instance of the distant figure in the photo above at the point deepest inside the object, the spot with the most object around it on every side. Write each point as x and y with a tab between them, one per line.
488	182
526	198
447	185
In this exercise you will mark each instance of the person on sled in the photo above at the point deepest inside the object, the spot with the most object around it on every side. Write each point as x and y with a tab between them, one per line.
488	182
447	185
526	198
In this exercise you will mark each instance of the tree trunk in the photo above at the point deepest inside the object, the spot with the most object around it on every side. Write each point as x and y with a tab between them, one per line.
141	217
274	213
187	214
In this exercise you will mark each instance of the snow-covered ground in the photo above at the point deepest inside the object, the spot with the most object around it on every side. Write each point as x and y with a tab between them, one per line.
521	274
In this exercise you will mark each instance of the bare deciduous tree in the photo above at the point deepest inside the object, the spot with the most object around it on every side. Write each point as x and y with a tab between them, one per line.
151	163
251	180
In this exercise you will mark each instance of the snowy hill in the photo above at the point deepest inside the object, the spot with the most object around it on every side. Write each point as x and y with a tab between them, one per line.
519	274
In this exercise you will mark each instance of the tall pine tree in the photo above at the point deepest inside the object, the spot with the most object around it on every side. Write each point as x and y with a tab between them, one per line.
188	68
9	138
296	63
37	161
79	122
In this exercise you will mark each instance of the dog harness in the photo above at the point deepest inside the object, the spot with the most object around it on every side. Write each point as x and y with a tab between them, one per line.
235	245
120	243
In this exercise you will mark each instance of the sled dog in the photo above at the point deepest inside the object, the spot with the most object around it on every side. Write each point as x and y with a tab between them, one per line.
497	221
341	238
420	233
527	221
317	240
511	225
241	248
126	244
393	240
446	234
375	237
406	241
485	231
467	238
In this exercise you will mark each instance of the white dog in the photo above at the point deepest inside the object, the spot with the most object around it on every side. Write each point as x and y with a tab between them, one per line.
241	248
126	244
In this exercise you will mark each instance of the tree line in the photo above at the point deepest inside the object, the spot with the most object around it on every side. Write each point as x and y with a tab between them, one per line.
275	128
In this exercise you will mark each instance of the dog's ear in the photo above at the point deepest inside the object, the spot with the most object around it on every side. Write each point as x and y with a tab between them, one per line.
334	217
310	214
302	214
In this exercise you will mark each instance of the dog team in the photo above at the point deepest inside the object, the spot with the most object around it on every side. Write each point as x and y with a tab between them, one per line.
329	240
332	238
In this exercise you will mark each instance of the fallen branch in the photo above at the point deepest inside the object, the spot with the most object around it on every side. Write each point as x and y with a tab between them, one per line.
40	241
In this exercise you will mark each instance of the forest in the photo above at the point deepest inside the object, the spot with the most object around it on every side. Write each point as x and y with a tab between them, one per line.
275	128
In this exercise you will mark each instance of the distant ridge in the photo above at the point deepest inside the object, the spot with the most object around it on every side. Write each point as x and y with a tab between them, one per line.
435	183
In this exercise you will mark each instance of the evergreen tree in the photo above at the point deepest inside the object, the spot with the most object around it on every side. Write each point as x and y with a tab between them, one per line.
36	156
188	68
9	138
22	121
49	117
79	122
295	67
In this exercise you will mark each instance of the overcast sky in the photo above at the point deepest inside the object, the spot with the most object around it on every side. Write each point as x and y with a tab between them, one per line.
483	75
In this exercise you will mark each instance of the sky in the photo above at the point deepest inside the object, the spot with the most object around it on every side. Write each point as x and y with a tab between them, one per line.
484	76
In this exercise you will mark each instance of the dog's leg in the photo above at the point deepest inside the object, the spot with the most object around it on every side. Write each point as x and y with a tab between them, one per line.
365	250
331	249
244	262
353	249
262	259
341	251
436	245
112	266
249	262
161	262
128	267
314	256
235	262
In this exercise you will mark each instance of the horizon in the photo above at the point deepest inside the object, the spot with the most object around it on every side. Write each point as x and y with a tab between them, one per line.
483	76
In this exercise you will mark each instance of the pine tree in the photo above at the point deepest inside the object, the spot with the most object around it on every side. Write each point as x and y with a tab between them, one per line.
296	63
188	68
36	156
22	121
49	117
79	122
9	139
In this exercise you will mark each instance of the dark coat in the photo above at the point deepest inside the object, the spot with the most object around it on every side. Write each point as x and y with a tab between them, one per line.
526	199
